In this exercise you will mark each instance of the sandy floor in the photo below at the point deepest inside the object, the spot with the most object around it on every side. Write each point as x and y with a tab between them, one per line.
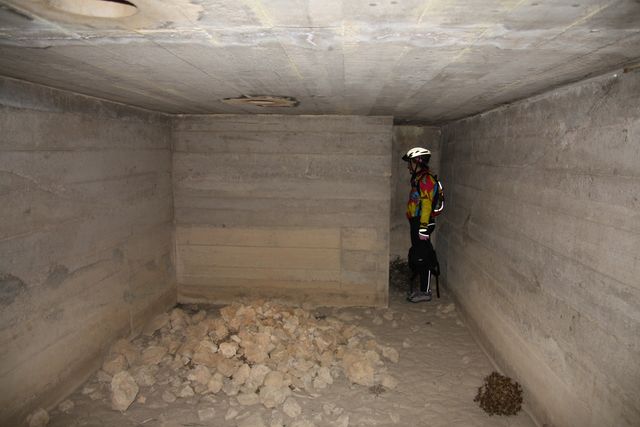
439	372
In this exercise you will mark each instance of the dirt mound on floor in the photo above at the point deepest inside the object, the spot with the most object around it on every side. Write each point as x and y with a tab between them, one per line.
499	395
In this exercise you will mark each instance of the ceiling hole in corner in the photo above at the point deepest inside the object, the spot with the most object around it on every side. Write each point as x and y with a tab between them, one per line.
96	8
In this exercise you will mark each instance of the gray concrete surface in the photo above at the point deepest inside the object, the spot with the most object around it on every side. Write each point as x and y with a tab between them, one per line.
295	207
405	138
85	237
428	60
540	245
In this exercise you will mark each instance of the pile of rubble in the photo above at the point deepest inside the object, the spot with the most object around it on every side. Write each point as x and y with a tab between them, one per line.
499	395
256	354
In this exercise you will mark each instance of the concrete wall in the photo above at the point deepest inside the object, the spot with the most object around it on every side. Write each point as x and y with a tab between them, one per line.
287	206
541	242
85	237
405	138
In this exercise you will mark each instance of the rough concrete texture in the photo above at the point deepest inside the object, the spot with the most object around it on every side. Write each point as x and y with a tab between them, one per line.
540	245
295	207
432	60
405	138
85	238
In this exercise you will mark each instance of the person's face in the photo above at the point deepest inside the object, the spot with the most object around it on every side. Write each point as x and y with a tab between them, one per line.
412	165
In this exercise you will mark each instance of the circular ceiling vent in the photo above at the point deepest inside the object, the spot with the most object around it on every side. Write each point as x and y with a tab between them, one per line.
96	8
262	101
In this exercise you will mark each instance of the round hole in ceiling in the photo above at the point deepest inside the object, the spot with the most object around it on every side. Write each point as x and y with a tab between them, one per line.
96	8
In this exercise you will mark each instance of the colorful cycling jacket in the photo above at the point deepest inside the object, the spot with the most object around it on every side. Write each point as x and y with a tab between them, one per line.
423	188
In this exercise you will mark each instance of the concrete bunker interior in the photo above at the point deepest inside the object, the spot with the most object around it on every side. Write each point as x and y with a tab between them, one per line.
127	187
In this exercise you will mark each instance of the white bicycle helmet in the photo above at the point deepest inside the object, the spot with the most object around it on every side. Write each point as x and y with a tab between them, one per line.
417	153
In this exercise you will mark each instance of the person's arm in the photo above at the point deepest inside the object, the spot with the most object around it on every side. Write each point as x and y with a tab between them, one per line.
428	192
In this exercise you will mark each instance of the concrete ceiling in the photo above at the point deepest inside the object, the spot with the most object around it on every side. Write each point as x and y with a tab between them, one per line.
424	60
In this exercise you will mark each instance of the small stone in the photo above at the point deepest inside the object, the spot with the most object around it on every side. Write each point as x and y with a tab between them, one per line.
123	391
66	406
394	324
228	349
39	418
227	367
291	408
328	408
231	414
271	396
141	399
156	323
206	414
153	355
377	320
200	388
406	343
342	421
127	349
186	391
200	374
253	420
230	388
145	375
277	420
114	363
256	377
96	395
248	399
198	317
388	315
274	379
215	383
389	382
324	375
178	319
168	397
103	377
358	368
88	389
391	354
318	384
241	375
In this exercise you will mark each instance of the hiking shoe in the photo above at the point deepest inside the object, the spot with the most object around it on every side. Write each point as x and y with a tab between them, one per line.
420	296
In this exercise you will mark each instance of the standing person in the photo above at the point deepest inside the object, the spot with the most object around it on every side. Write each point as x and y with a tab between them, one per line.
426	201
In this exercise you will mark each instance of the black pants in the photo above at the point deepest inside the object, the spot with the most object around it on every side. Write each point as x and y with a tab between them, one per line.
423	249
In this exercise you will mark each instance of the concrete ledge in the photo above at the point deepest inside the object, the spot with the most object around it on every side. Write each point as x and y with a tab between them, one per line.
316	297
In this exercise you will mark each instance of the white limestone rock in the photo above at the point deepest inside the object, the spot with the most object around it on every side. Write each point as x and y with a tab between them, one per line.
153	355
186	391
200	374
389	382
215	383
358	368
39	418
228	349
206	414
168	397
291	408
271	396
248	399
123	391
231	414
115	363
66	406
391	354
